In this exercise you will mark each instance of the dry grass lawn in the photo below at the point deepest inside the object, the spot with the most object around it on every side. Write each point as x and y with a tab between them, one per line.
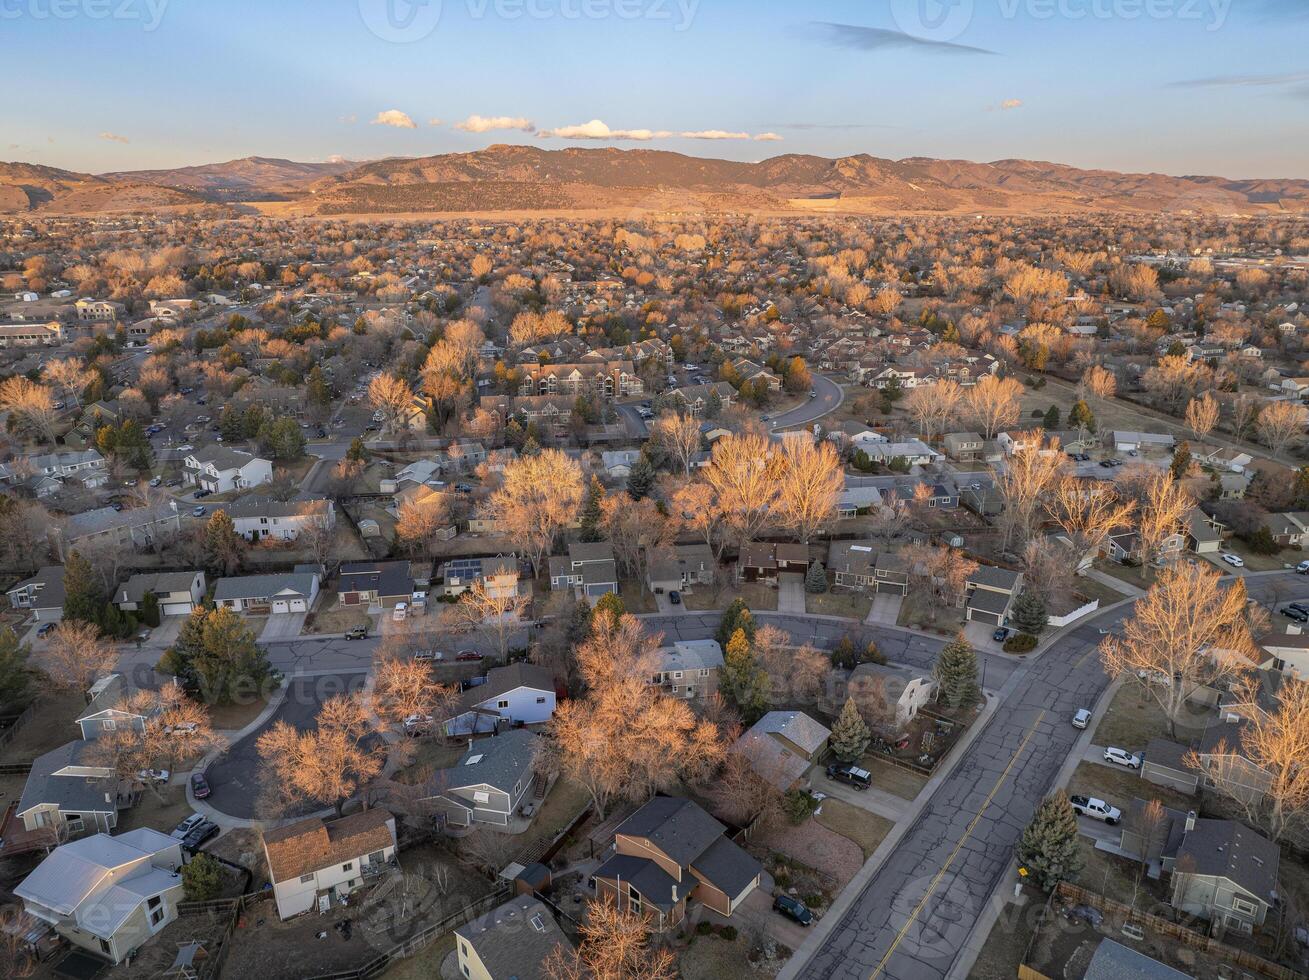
1119	787
757	595
235	716
866	829
52	724
850	605
424	964
1005	946
886	776
333	618
1132	719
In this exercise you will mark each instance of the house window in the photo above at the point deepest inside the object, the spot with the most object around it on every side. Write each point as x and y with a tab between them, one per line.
479	796
540	700
502	703
109	725
305	879
1243	906
677	675
348	867
377	857
633	900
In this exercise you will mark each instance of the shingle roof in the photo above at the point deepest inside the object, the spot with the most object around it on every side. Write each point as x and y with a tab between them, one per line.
727	867
386	578
1227	849
313	844
513	940
651	882
1114	961
263	586
796	727
676	825
500	680
73	794
499	761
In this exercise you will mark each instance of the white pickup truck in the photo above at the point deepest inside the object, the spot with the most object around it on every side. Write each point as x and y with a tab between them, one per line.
1089	806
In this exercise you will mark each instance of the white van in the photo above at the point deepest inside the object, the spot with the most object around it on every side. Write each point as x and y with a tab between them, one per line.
400	612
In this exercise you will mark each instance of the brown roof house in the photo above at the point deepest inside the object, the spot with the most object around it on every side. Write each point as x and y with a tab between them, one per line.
313	861
782	745
763	560
669	853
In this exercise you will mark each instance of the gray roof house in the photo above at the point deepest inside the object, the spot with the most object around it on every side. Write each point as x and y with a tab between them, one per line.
178	593
588	569
782	745
139	527
1226	873
511	942
43	594
686	565
276	592
489	782
689	668
518	693
1114	961
260	518
991	591
70	793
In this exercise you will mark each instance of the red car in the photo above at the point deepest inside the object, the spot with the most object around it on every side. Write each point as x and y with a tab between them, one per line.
468	655
199	787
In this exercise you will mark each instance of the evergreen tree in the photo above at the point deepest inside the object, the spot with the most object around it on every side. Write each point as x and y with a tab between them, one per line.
609	604
742	680
282	438
1052	418
713	405
591	513
1080	416
318	394
229	424
956	672
1181	464
641	480
83	599
218	653
357	452
1302	488
735	616
1029	612
150	610
579	623
15	676
850	734
815	579
202	878
1049	848
224	549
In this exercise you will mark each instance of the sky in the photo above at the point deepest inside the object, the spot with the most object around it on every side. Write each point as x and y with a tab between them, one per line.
1175	86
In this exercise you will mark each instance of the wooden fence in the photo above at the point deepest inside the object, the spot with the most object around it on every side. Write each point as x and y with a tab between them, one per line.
1188	937
211	966
16	724
423	939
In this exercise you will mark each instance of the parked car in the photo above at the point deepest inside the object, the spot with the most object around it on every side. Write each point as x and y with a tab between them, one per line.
159	776
156	481
1302	568
199	511
1298	607
1081	718
356	632
1001	634
186	826
793	909
199	786
429	655
675	597
1292	613
1121	757
1236	561
400	611
46	629
201	494
204	831
468	656
845	772
1089	806
416	725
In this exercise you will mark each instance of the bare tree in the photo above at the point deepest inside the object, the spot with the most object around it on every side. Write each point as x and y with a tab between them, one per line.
1029	475
1281	425
637	530
76	655
494	614
994	404
615	945
391	395
1185	633
328	764
940	573
695	506
1099	383
421	524
1087	513
70	375
679	436
810	486
1202	415
31	407
538	497
934	408
743	473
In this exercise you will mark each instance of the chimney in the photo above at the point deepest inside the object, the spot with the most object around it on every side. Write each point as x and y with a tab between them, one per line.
1190	821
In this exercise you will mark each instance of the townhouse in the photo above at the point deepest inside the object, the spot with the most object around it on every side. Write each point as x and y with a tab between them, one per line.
219	469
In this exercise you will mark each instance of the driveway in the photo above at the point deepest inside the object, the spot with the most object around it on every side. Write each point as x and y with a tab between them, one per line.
872	799
979	635
283	626
757	911
790	593
886	609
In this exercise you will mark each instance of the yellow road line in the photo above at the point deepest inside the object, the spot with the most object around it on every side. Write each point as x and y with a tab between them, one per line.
953	854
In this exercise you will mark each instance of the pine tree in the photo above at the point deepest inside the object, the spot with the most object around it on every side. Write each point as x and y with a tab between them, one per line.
850	734
735	616
1080	416
611	604
641	480
742	679
591	513
317	392
202	878
956	672
216	651
224	549
150	609
815	579
1181	464
1029	612
1049	849
1052	418
15	677
357	452
83	599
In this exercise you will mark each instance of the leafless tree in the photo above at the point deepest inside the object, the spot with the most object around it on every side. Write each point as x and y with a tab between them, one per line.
1202	415
1281	425
810	486
994	404
75	656
679	436
539	496
743	472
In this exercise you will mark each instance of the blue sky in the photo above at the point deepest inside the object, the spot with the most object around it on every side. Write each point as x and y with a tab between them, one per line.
1178	86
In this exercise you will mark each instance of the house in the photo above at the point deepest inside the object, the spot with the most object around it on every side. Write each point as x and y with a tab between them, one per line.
697	398
25	334
588	569
1124	546
379	584
86	467
1165	763
70	792
263	518
1295	387
178	593
274	593
498	576
852	501
511	942
685	566
986	502
1224	872
219	469
1288	530
517	694
132	528
1126	442
97	309
108	895
43	594
313	859
1114	961
618	463
1202	532
689	668
782	745
104	711
607	379
964	446
489	782
762	560
991	592
671	852
1288	653
1222	755
860	566
903	689
913	452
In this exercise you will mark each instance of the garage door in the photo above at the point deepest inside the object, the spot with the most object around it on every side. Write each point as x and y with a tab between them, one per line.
177	608
349	598
298	605
978	616
279	606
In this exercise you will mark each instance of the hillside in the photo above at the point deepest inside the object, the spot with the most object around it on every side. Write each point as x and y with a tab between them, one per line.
247	179
28	187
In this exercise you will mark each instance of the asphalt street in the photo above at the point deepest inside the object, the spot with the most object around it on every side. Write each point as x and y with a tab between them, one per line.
827	399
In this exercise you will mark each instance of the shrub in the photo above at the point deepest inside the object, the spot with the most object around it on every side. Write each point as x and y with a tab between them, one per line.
799	806
703	928
728	933
814	900
1020	643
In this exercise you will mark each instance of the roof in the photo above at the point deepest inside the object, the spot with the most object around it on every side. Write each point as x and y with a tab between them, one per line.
691	655
264	586
499	761
386	578
514	939
995	578
653	883
223	458
268	507
727	867
313	844
796	727
1227	849
588	551
106	519
75	794
1168	754
1114	961
771	760
160	583
49	585
501	680
988	601
677	826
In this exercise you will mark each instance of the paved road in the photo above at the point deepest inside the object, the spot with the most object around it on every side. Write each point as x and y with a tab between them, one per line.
828	398
917	911
636	427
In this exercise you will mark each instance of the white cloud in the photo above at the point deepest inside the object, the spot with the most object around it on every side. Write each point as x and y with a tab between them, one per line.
768	138
114	138
396	118
713	134
596	129
1011	104
349	120
434	121
486	124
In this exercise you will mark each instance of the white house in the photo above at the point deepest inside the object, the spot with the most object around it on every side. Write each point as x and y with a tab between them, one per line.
178	593
108	895
275	593
260	518
904	689
314	860
511	941
489	782
219	469
517	693
87	467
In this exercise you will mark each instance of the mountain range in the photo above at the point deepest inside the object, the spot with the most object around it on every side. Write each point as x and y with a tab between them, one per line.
528	178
